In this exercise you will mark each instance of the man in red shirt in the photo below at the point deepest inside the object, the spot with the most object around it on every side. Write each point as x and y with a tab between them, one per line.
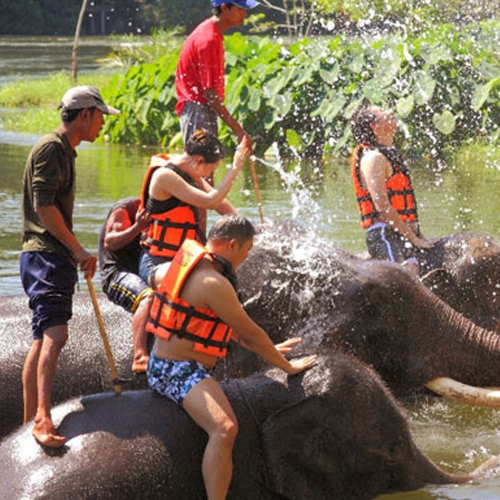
199	78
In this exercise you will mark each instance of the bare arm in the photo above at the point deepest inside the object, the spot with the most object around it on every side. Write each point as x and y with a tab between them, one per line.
375	170
173	185
53	221
222	299
120	231
216	103
225	207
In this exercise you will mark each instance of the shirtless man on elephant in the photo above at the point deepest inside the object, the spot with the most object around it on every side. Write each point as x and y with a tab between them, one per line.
194	315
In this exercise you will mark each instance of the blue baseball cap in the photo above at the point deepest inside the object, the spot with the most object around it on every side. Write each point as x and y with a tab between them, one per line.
244	4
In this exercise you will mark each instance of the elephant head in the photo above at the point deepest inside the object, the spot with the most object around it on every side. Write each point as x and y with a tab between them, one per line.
466	275
332	433
296	283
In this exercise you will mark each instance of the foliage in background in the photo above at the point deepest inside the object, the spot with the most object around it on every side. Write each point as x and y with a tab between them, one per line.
56	17
293	18
443	86
303	18
146	98
131	50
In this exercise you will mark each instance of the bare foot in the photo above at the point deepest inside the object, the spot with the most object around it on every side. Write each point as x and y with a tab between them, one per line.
45	434
140	363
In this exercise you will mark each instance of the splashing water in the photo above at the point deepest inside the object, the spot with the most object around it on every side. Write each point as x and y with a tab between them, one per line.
304	208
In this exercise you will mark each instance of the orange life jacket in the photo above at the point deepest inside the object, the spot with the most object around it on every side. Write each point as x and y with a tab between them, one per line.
399	187
169	229
171	314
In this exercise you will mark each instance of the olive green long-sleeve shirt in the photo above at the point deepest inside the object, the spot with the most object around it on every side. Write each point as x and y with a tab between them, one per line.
49	180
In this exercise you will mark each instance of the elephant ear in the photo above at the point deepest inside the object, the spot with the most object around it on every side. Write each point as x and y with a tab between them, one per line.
299	445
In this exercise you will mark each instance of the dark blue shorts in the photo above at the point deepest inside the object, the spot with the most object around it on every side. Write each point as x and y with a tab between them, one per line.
148	263
174	379
127	290
49	281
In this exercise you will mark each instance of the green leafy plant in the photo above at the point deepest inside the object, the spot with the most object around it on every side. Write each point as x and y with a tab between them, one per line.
443	86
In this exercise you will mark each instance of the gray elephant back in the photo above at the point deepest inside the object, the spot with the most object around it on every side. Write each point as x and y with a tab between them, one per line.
300	438
83	367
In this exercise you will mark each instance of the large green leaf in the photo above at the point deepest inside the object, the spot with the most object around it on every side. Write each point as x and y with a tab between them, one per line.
373	91
281	103
434	53
293	138
424	87
444	122
482	92
405	105
255	99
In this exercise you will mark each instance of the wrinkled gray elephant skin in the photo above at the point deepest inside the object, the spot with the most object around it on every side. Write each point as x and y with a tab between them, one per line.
297	284
299	438
467	276
83	366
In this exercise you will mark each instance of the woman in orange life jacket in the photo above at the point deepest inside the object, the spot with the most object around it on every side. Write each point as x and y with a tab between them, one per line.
175	189
384	192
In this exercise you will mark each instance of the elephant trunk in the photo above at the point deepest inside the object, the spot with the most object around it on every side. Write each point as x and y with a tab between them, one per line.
465	355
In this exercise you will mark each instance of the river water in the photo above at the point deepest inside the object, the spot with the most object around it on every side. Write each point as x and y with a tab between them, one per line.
459	196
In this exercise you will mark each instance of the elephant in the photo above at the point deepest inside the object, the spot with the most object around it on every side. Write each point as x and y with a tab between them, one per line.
299	438
83	367
293	283
374	310
466	275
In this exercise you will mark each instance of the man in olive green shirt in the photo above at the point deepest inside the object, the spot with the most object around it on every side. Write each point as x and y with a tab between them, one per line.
51	252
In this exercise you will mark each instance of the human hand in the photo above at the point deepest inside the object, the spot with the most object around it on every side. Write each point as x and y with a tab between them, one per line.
87	263
301	364
425	243
286	346
142	218
243	150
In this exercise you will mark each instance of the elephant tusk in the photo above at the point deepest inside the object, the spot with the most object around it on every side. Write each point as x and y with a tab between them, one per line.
476	396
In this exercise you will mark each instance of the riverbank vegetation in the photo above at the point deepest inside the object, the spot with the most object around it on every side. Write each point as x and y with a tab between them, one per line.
35	101
443	85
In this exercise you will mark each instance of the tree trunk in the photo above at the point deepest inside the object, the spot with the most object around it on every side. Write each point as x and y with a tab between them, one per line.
77	36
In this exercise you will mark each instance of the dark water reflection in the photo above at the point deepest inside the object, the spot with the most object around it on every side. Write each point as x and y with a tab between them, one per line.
34	57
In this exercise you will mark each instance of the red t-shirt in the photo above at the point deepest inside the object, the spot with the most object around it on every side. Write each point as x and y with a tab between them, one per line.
200	66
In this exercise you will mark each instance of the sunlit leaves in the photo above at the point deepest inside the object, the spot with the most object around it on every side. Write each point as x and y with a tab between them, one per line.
424	87
444	122
281	103
443	88
482	92
404	106
433	54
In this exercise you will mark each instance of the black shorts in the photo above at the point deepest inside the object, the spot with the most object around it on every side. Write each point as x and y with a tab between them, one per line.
384	243
49	281
127	290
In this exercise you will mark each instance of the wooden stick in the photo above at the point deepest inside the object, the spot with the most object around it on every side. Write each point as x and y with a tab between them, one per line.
107	346
257	190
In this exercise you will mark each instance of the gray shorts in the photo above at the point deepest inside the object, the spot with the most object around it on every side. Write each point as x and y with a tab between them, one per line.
196	116
174	379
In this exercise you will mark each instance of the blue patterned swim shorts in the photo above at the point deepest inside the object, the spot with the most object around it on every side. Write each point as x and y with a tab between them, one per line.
174	379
